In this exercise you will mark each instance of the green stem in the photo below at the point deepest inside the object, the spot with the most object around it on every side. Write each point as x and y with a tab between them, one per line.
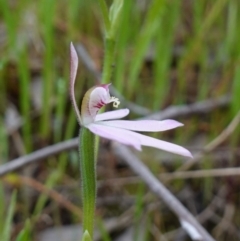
88	178
104	10
108	60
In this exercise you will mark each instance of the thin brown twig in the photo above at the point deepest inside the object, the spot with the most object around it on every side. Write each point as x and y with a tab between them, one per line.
225	224
39	155
201	107
207	214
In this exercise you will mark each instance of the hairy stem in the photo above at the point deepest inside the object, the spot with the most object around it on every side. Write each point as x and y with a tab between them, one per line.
88	178
108	60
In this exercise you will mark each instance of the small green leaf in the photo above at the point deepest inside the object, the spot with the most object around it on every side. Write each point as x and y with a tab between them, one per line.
86	236
24	235
115	18
115	10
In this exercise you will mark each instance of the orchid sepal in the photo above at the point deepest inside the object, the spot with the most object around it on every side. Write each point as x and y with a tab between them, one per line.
73	75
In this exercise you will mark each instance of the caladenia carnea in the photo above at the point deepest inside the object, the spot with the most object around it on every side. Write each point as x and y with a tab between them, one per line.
106	125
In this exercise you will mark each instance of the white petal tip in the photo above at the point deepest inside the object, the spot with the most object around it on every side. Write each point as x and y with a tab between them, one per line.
174	123
127	111
139	148
186	153
71	47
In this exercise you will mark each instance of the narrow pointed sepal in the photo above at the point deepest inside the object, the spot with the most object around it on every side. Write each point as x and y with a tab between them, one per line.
73	74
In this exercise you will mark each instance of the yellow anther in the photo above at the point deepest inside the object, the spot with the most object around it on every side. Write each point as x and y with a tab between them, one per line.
115	101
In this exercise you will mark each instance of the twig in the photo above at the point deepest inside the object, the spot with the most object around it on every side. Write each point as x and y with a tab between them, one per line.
159	189
225	224
38	156
202	107
207	214
219	172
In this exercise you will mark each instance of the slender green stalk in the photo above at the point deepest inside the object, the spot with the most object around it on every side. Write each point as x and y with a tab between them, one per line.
122	45
164	46
196	45
150	27
236	77
88	178
104	233
60	108
41	202
139	206
108	60
25	234
9	218
104	11
25	103
112	21
2	206
47	11
11	21
4	143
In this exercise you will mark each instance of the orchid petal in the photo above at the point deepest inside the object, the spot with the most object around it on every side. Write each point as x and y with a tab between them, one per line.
166	146
135	139
115	114
94	99
73	74
143	125
115	134
91	103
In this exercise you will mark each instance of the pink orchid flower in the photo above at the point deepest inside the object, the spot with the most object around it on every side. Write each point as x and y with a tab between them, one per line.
105	124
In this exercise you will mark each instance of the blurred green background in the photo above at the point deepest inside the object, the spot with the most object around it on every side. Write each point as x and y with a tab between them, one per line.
168	52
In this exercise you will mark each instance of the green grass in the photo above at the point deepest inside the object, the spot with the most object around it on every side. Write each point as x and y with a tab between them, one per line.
8	219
